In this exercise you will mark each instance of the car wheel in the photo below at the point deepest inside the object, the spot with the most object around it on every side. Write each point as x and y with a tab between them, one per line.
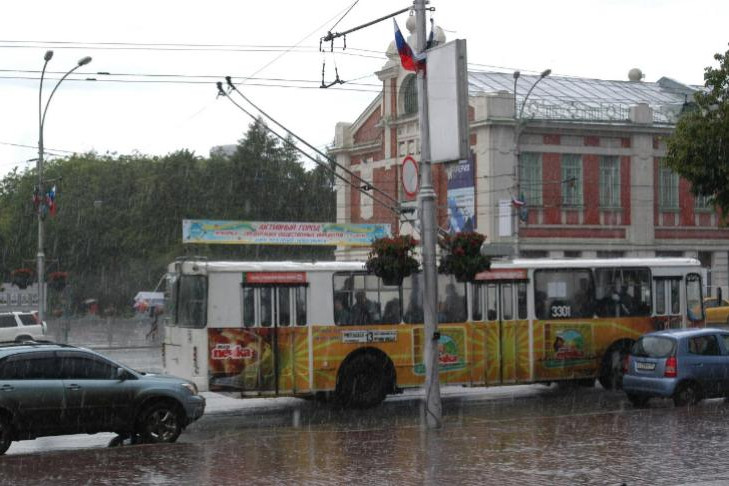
363	382
5	434
686	394
160	422
638	401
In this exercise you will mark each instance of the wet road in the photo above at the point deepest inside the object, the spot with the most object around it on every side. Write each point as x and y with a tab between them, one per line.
531	435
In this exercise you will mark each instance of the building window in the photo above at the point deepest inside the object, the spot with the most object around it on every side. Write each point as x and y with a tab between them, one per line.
530	178
610	254
667	187
609	182
669	253
571	180
533	253
409	93
703	202
572	254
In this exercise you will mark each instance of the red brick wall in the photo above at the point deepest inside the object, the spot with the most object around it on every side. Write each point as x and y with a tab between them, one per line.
369	132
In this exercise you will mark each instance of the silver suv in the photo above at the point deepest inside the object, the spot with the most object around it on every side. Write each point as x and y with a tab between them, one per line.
21	326
54	389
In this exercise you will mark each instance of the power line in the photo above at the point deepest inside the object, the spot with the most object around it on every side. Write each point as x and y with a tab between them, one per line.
185	76
184	82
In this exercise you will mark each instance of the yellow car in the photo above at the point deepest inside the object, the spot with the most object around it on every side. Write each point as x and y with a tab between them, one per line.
717	311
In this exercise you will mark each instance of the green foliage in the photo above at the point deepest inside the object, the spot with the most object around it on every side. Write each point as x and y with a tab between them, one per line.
392	259
462	257
119	220
698	150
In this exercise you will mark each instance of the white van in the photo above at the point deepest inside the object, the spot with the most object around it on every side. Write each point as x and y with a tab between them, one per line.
19	326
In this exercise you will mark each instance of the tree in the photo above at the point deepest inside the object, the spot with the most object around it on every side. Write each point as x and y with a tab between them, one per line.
119	218
698	150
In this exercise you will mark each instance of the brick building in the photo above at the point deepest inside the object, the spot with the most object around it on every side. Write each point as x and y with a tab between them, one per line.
590	172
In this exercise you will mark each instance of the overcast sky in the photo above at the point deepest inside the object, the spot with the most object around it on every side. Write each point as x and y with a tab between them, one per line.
163	96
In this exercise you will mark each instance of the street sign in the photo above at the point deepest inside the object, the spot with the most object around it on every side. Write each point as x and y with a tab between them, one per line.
410	176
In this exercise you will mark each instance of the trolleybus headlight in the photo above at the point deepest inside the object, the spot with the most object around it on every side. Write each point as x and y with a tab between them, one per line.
191	387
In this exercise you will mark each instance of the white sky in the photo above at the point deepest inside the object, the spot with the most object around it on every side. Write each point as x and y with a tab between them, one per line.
587	38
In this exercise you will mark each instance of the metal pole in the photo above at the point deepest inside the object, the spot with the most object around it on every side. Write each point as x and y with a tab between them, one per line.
426	199
41	122
41	265
518	128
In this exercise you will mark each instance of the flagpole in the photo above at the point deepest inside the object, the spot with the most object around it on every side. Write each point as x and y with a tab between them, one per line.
428	228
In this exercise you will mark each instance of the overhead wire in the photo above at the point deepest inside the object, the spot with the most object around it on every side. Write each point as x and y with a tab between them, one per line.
394	209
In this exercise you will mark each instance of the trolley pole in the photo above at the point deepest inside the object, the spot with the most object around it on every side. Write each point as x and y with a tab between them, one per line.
428	231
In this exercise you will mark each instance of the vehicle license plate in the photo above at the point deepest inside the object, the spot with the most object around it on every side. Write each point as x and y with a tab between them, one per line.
642	365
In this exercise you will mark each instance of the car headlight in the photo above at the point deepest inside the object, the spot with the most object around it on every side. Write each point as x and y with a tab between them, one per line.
191	387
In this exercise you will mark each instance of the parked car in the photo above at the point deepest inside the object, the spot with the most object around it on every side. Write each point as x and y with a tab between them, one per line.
53	389
19	326
686	365
717	311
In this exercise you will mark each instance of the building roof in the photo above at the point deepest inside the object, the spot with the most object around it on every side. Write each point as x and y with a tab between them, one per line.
567	98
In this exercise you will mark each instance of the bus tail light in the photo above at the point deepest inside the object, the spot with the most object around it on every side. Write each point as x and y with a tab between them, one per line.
671	367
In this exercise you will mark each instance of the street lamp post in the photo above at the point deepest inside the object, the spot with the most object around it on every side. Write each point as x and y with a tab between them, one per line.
39	168
518	128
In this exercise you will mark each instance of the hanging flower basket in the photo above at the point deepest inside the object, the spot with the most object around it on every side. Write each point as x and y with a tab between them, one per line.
462	257
21	277
392	259
57	280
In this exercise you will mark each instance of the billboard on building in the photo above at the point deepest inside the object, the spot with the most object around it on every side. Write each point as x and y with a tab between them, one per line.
280	233
461	197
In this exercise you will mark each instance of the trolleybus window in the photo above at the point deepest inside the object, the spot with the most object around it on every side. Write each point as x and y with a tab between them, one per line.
668	296
563	293
623	292
192	296
268	306
693	297
300	305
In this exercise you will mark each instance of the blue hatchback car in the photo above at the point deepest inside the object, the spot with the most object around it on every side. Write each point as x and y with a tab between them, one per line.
686	365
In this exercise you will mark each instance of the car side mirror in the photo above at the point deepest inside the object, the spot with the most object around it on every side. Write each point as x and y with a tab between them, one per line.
122	374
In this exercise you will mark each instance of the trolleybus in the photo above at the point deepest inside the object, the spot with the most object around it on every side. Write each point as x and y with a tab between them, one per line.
302	329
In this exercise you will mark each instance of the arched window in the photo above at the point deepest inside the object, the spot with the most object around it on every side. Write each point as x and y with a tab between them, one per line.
409	93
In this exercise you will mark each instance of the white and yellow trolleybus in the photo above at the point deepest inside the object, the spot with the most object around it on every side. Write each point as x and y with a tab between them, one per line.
301	329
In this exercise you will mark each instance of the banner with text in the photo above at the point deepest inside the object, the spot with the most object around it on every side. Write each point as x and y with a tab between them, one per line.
268	233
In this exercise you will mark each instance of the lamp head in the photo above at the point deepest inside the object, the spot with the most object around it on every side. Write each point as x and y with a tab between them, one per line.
48	55
84	61
546	73
517	74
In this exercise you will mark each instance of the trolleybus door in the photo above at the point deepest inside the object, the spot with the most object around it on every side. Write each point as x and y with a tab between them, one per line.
277	310
507	331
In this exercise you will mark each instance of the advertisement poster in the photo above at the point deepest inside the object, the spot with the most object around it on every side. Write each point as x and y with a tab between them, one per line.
461	197
568	344
278	233
240	359
451	350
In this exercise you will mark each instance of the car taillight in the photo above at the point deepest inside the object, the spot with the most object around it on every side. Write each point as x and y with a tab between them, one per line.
671	367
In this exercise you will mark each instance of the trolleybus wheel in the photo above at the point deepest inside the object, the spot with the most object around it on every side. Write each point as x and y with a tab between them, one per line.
363	382
611	369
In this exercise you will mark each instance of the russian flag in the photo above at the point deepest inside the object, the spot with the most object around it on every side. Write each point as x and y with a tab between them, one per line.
409	60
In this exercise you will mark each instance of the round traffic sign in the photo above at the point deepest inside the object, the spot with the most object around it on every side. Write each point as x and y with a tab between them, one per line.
410	176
